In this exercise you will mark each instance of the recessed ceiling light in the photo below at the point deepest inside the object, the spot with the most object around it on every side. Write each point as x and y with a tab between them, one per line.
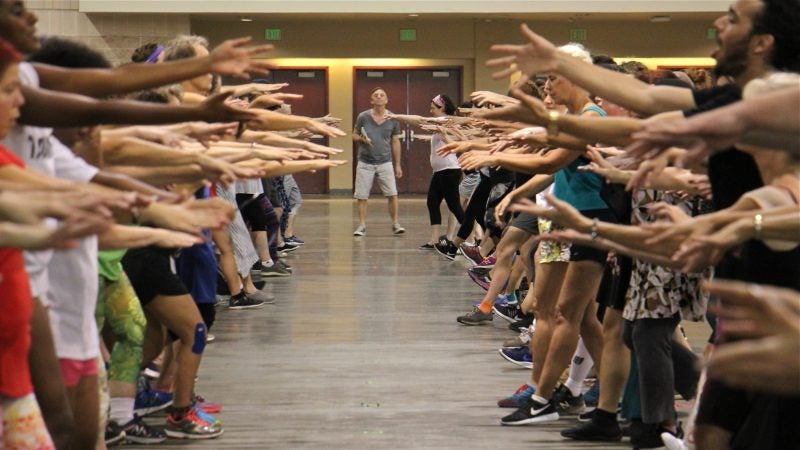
660	19
413	15
246	19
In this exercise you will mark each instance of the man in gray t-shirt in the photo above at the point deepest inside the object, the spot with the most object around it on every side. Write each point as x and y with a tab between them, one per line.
378	139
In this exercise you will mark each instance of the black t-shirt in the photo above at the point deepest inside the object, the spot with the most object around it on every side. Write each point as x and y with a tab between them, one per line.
731	172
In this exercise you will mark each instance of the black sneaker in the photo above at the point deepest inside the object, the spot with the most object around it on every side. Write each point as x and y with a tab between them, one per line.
138	432
531	412
426	246
566	403
509	312
524	322
287	247
586	416
243	302
446	248
590	431
256	268
475	317
114	433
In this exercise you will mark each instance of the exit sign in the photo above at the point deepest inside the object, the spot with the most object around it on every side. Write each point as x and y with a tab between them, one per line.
408	34
272	34
711	33
577	34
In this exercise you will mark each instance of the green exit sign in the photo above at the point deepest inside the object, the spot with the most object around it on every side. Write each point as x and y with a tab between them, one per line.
408	34
577	34
272	34
711	33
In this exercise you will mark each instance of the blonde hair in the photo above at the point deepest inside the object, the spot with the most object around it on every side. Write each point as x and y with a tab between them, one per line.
576	50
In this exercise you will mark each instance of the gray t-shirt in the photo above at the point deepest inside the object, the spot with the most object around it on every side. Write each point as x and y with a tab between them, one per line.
381	136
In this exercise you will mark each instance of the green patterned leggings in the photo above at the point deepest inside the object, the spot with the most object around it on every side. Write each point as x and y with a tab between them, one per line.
118	304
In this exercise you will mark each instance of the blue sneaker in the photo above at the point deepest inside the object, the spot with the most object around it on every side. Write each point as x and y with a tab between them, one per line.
592	396
516	399
520	356
150	400
294	240
501	300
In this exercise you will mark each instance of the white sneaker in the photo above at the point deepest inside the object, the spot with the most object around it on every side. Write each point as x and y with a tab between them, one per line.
360	231
398	229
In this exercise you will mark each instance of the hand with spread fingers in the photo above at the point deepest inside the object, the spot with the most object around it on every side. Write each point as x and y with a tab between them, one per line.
232	57
537	56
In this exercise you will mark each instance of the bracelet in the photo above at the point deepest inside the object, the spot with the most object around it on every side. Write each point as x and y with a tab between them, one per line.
758	225
593	232
552	124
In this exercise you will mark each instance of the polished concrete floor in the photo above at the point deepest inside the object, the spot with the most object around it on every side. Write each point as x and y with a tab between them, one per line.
362	350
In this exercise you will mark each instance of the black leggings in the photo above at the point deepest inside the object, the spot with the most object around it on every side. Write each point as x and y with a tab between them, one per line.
476	207
444	186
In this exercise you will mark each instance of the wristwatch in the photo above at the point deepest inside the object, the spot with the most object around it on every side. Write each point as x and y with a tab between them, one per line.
552	123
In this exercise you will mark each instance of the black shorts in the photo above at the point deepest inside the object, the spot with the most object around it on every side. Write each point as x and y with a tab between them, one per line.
581	253
150	272
252	209
526	222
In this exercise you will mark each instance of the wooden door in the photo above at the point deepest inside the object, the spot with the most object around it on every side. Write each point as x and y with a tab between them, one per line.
424	85
410	91
395	84
312	83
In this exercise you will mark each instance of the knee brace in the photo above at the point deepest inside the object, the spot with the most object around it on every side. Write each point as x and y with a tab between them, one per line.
199	339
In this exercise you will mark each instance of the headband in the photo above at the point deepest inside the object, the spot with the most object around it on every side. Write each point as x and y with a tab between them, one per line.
438	101
154	56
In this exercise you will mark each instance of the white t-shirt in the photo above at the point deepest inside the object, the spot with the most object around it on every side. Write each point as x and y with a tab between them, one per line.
32	145
439	163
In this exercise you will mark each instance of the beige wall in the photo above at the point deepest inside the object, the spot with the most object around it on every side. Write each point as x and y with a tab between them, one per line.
115	35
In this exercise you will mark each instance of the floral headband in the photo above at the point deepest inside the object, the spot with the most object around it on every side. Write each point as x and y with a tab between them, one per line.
438	101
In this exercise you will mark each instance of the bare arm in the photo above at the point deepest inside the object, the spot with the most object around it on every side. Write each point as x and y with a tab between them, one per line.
397	156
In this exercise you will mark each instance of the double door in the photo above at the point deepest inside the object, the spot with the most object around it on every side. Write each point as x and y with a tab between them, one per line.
410	91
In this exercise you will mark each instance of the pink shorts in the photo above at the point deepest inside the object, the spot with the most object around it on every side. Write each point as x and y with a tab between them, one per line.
75	369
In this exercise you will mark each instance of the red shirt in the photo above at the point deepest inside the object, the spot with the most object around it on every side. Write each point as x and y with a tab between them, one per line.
16	309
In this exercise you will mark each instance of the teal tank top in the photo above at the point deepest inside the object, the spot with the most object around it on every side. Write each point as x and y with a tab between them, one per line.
578	188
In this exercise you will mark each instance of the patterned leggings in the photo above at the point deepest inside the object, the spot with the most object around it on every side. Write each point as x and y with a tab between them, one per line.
22	426
119	305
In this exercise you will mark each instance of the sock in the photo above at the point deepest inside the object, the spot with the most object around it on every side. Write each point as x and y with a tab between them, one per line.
540	400
512	298
581	365
485	307
121	409
267	263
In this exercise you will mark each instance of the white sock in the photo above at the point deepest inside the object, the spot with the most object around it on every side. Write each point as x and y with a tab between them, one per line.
581	365
121	409
539	399
267	263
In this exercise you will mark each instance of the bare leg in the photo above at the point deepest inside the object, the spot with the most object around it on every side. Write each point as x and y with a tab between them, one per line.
362	212
227	260
48	383
615	365
290	224
393	208
261	244
436	231
511	241
84	402
546	287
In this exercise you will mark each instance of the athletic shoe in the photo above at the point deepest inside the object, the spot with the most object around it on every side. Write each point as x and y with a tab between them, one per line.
209	407
243	302
566	403
650	437
673	442
256	268
591	431
360	231
525	321
151	400
210	338
287	247
191	426
294	240
285	266
426	246
275	270
509	312
283	254
203	415
446	248
138	432
516	399
523	339
398	229
520	356
114	433
481	280
262	296
531	412
487	263
475	317
473	254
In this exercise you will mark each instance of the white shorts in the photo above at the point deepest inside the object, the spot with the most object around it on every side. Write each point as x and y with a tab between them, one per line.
366	173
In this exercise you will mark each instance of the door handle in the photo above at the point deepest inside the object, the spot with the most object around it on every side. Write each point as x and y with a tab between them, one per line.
411	133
